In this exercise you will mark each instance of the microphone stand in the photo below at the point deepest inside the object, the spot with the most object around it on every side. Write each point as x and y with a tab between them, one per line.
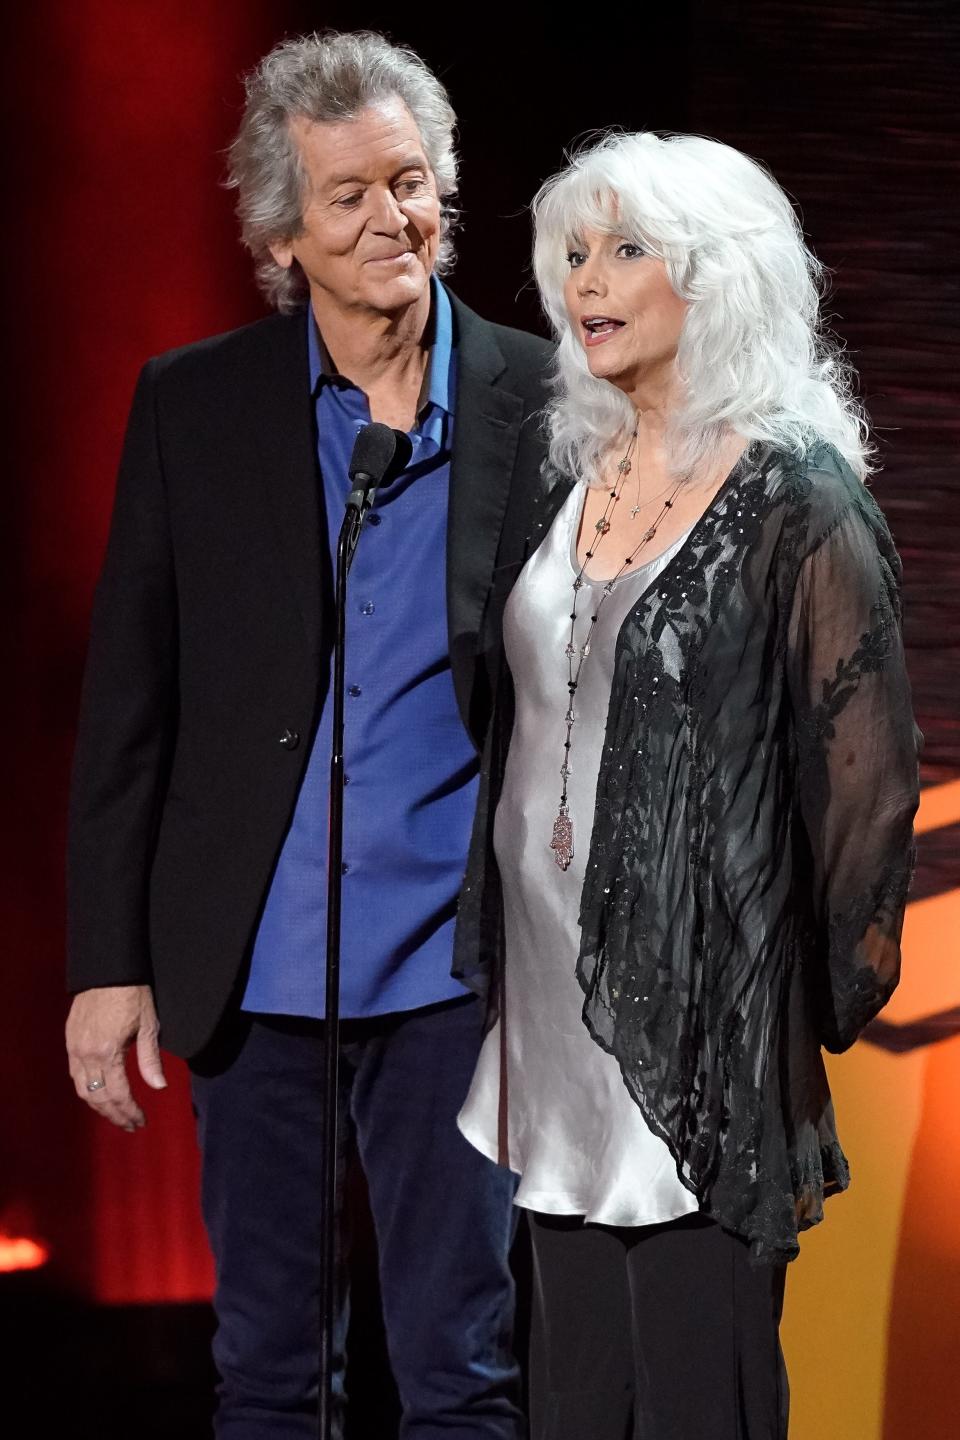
358	504
378	452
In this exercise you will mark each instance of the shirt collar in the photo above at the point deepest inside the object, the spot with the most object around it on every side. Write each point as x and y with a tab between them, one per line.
437	381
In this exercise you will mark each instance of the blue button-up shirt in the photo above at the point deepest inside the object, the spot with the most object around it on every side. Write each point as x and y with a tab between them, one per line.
410	765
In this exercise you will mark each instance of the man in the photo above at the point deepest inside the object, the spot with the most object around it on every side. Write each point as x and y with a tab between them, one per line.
198	830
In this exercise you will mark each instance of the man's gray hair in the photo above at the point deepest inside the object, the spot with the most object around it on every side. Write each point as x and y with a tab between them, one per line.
326	77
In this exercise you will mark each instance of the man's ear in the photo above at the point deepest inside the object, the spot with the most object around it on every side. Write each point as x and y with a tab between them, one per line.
282	252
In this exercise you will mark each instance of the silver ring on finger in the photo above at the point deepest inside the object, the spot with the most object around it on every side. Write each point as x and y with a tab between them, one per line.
93	1085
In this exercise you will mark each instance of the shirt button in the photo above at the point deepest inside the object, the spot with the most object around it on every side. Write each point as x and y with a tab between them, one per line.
354	691
289	739
367	608
344	868
374	518
346	779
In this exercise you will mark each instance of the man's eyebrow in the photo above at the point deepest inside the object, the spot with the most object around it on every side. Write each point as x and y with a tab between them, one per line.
413	161
409	162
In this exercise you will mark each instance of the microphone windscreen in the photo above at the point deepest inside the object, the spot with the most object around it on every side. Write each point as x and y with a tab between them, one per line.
403	452
373	451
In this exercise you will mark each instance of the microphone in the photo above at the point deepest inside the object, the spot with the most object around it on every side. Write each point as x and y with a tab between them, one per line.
377	452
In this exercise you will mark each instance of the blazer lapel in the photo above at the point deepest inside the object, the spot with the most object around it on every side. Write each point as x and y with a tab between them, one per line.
277	415
485	438
278	412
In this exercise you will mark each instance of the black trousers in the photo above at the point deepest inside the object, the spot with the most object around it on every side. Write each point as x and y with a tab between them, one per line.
444	1219
663	1332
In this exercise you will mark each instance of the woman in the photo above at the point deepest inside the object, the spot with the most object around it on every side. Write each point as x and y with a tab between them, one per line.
702	829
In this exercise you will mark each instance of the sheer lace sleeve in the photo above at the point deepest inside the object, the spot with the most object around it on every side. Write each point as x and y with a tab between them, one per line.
857	749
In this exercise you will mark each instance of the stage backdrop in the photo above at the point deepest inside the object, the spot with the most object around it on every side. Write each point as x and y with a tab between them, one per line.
122	244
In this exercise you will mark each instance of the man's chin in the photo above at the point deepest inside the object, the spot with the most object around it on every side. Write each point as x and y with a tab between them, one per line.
398	292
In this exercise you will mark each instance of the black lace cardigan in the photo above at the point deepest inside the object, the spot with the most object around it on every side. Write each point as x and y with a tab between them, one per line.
752	840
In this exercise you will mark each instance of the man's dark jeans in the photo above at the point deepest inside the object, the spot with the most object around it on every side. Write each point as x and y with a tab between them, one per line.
443	1216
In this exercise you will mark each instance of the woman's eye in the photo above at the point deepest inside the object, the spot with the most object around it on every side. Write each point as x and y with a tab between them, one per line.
349	201
411	187
628	250
575	258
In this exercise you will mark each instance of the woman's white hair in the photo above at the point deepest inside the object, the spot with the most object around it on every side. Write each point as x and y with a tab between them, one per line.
327	77
752	357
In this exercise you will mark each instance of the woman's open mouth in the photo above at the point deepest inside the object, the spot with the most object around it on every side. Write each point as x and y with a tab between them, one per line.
598	328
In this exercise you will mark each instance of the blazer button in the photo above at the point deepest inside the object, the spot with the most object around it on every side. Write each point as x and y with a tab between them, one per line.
290	739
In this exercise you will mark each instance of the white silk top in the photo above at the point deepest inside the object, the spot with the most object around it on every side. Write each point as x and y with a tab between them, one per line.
546	1099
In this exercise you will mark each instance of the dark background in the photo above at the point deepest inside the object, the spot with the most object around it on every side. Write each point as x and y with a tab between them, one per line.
119	242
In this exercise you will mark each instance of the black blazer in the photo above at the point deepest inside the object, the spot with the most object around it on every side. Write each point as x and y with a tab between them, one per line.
212	616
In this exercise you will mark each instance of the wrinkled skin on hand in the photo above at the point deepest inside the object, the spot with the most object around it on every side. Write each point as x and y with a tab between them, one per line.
101	1027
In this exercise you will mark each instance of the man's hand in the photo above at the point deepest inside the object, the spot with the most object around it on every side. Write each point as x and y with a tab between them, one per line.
101	1027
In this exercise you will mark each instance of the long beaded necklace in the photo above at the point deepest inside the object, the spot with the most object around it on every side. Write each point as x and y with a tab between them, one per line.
562	841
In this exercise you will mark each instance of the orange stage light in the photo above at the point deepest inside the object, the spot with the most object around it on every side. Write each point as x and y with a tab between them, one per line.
19	1253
